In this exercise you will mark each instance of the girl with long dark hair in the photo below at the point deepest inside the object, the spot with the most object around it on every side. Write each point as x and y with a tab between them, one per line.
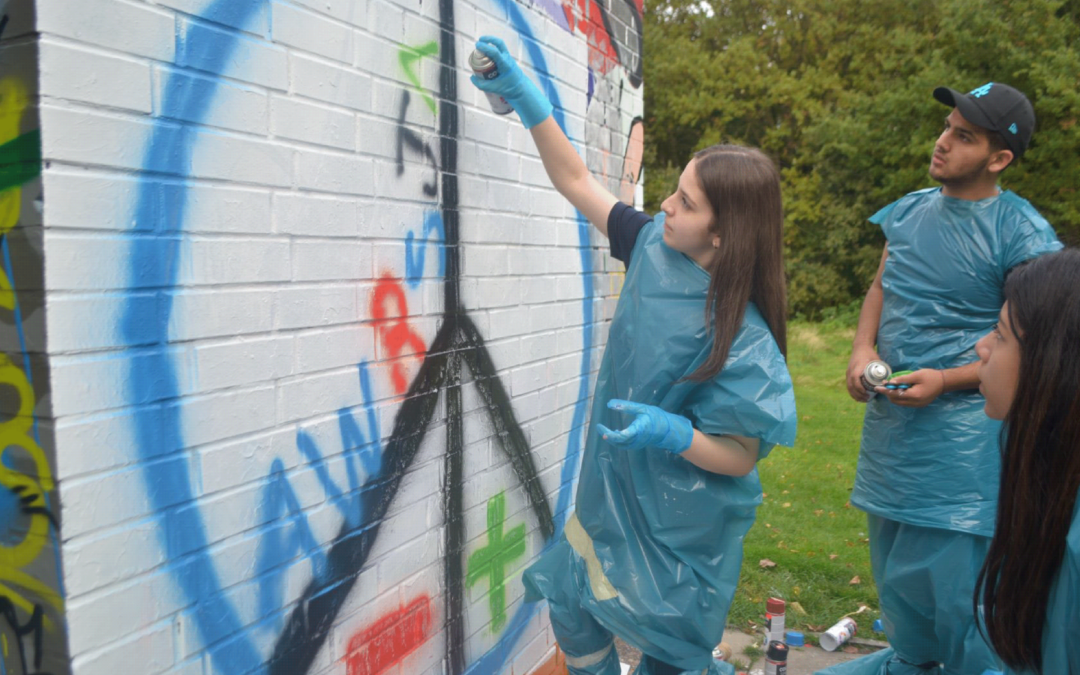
1029	586
693	390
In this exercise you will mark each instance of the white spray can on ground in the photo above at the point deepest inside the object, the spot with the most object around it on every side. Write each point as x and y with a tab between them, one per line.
838	634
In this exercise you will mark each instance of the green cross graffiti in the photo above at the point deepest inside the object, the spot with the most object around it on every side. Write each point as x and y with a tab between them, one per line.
492	560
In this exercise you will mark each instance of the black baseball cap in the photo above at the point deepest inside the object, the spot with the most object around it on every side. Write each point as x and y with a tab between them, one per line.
997	107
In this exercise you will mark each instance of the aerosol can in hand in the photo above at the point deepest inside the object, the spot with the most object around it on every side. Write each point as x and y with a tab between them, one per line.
486	68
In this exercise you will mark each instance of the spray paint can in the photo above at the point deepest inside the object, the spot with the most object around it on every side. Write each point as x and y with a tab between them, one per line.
875	374
722	652
776	658
838	634
774	619
486	68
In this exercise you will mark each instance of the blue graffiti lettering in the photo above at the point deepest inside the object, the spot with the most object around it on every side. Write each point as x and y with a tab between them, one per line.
414	258
287	539
278	551
357	451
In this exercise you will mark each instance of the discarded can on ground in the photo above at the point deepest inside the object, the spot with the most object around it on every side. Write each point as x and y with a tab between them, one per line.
838	634
776	658
483	66
722	652
875	374
774	619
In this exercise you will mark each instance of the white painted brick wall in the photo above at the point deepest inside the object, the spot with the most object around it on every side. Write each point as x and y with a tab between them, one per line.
222	206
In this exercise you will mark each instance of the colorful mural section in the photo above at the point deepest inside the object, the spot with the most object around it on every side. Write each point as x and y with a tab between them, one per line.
32	618
342	340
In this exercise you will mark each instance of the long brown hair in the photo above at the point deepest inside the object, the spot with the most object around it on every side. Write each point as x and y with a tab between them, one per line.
743	189
1040	468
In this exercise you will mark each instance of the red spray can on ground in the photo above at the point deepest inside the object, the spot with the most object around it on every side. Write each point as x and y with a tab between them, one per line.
776	658
774	620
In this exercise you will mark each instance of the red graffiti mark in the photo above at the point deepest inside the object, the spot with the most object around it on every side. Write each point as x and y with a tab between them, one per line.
394	328
390	639
585	16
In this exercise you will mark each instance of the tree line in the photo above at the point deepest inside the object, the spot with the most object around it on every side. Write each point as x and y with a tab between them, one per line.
838	92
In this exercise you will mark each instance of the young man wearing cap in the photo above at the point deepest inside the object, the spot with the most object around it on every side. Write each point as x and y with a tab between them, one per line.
929	460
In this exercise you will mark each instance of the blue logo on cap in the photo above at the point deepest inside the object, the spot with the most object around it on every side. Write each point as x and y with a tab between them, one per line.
981	91
1012	127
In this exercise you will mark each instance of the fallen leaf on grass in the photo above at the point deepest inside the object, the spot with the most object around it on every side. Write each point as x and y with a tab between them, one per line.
855	581
797	608
765	564
787	505
833	556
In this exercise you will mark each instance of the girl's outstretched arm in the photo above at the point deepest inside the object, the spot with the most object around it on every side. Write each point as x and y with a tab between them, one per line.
564	166
570	176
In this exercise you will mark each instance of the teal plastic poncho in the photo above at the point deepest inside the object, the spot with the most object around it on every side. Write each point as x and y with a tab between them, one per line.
928	477
938	466
654	550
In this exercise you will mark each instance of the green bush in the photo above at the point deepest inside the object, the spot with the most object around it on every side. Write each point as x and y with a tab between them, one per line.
838	92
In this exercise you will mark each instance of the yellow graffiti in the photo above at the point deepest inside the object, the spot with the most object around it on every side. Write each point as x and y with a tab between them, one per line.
13	101
15	433
7	293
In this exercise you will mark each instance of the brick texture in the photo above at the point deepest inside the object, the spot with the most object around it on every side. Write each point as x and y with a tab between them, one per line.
306	334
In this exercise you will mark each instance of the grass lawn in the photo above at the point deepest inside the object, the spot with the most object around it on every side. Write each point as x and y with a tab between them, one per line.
806	526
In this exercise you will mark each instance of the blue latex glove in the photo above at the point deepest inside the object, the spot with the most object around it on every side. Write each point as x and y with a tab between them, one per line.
512	84
653	427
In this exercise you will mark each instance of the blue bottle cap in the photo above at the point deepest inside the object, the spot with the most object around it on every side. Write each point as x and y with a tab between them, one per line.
878	626
795	639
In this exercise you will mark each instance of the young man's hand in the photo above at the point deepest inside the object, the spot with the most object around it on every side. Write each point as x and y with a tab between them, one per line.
925	386
856	366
